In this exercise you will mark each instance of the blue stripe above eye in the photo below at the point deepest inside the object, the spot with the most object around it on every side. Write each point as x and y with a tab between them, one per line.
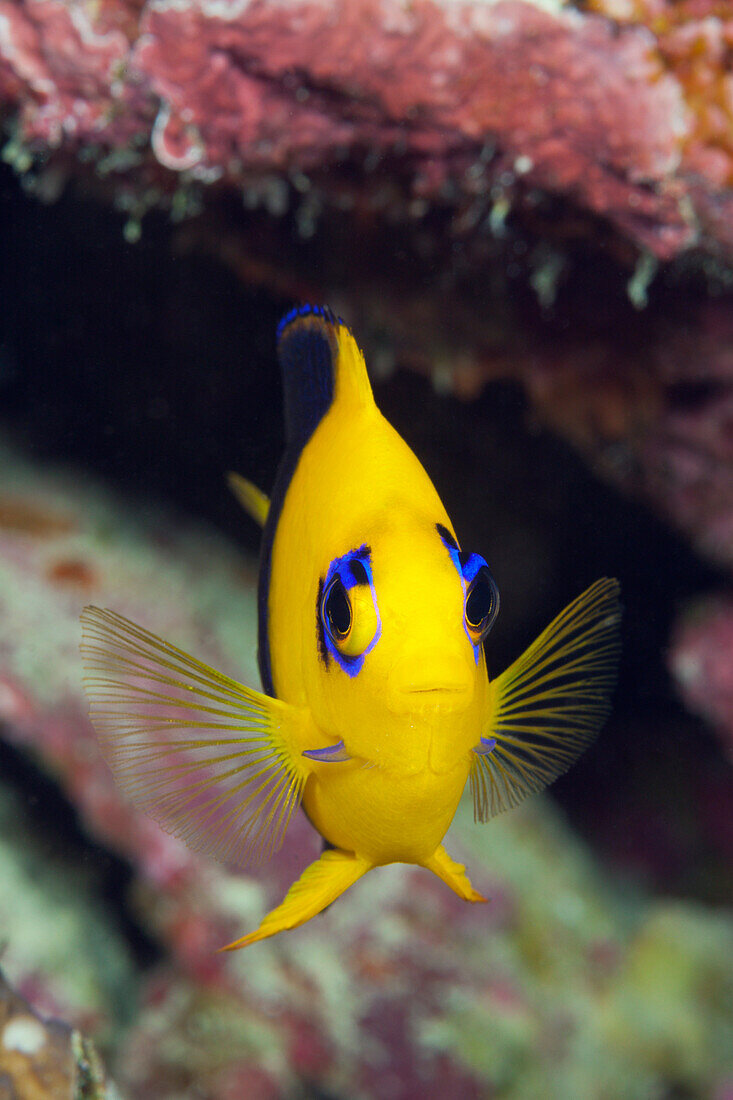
470	565
467	566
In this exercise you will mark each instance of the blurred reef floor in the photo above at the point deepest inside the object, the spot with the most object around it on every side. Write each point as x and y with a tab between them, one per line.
401	990
525	212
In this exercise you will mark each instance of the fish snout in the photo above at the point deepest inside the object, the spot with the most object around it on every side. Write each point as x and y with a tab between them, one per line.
430	679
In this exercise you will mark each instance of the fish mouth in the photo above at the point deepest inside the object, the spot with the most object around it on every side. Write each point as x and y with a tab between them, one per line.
441	698
430	680
437	693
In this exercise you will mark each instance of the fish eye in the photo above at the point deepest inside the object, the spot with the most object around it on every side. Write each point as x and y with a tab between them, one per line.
348	611
337	609
482	604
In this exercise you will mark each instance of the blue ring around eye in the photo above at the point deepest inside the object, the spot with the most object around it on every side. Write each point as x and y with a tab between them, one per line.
467	566
352	569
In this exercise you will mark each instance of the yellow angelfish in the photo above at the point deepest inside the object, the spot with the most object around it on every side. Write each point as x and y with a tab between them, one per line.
377	705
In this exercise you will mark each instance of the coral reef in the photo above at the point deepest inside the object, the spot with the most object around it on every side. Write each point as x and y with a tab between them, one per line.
62	949
478	146
526	191
390	110
700	660
44	1059
652	413
400	989
693	40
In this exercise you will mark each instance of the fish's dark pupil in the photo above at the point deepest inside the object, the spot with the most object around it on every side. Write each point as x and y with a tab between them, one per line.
480	600
338	609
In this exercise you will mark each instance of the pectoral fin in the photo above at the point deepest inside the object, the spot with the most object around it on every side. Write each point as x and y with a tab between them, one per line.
331	754
214	762
550	704
252	499
317	887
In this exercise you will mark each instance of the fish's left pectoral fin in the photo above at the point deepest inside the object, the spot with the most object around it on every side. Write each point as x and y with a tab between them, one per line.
255	503
453	874
317	887
550	704
214	762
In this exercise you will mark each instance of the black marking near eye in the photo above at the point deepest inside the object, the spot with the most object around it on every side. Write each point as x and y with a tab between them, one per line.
358	570
446	536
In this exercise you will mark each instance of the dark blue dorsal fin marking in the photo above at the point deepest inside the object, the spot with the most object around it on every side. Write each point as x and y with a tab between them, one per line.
308	351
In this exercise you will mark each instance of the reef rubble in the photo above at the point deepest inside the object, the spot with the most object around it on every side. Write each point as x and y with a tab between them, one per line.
44	1059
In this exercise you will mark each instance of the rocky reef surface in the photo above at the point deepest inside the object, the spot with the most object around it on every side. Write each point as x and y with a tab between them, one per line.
44	1059
566	982
528	203
478	101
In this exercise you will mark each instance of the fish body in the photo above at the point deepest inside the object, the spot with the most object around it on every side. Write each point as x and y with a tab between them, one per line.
377	706
413	711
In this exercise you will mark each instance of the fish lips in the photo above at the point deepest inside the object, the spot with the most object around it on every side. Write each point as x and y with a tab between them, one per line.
422	685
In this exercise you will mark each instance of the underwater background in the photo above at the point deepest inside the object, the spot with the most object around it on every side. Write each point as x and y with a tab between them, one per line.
524	212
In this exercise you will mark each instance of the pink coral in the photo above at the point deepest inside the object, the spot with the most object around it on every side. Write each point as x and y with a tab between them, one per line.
487	100
64	64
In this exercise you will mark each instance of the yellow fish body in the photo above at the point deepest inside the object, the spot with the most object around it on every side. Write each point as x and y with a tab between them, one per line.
377	707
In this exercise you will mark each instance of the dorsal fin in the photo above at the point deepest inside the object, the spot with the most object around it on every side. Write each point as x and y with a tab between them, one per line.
321	363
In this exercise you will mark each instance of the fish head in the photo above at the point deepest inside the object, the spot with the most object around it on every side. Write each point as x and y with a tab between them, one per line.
401	616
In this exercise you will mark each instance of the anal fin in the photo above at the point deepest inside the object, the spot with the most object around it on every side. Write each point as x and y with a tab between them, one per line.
320	884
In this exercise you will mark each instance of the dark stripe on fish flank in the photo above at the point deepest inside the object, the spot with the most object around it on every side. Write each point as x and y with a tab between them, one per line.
307	352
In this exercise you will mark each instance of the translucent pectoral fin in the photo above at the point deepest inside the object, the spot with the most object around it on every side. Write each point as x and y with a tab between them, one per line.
550	704
214	762
255	503
317	887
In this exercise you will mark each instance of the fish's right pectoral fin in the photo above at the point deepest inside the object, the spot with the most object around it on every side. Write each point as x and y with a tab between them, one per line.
255	503
549	705
317	887
213	762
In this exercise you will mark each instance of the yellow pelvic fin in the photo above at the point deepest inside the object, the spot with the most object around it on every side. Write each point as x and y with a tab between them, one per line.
549	705
317	887
255	503
214	762
453	874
